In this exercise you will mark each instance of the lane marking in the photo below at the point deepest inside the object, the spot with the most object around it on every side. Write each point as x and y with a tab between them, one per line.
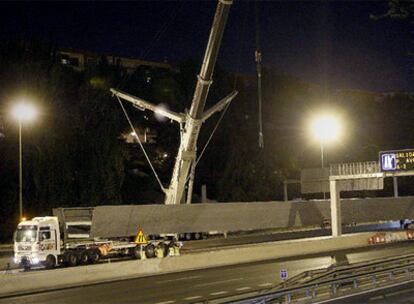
179	279
265	284
218	293
193	298
219	282
166	302
243	288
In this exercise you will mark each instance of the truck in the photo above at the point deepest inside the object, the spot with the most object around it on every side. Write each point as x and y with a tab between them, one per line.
63	240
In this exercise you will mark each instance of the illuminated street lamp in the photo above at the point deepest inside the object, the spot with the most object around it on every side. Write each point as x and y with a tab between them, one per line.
325	128
23	112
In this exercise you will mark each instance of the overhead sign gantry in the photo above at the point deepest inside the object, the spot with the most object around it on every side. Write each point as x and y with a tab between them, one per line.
391	164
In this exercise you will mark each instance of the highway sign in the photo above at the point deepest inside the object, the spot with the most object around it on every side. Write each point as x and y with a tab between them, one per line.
283	274
398	160
140	238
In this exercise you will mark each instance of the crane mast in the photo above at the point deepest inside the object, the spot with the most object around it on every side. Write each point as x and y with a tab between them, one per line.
191	121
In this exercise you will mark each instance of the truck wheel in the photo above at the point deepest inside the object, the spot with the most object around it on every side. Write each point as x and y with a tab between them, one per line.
197	235
71	259
136	252
93	256
188	236
50	261
83	257
150	251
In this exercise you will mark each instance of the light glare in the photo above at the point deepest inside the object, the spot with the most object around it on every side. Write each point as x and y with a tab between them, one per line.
24	112
326	128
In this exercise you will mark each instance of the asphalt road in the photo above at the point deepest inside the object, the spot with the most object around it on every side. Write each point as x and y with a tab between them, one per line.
194	286
186	287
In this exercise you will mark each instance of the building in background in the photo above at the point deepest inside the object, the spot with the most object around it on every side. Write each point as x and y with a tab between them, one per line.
81	60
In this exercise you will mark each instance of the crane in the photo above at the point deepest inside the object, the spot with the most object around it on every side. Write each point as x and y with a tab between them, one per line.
191	121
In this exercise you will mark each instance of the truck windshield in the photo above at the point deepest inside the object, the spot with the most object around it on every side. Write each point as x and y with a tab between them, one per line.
26	233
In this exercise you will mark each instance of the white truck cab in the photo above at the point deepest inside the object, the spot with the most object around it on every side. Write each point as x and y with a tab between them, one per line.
37	242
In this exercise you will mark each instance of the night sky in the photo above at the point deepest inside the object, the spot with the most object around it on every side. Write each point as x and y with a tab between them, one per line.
332	43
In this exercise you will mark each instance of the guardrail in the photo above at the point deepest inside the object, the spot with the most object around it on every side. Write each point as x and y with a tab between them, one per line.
343	283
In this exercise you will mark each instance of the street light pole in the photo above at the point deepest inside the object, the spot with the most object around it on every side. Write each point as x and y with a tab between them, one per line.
22	112
322	162
325	128
20	171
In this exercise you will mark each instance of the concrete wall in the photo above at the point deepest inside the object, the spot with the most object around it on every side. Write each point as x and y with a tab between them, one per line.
115	221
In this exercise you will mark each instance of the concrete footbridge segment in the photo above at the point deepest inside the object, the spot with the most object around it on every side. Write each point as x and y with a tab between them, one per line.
115	221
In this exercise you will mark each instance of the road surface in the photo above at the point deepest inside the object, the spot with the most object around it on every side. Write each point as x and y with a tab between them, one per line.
193	286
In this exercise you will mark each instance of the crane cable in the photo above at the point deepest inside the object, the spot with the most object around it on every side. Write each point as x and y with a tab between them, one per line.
209	139
258	58
161	31
140	144
127	76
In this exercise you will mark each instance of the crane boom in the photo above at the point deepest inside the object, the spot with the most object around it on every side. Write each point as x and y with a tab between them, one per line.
192	121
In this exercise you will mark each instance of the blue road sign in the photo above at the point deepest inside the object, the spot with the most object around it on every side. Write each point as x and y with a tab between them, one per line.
398	160
388	162
283	274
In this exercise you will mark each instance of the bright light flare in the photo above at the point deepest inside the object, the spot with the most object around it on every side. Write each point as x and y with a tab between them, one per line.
24	112
326	128
160	111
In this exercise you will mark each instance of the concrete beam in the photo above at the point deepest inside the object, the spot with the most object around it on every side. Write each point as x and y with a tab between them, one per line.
116	221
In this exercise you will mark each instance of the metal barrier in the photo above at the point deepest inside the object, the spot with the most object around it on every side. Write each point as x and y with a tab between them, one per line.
331	284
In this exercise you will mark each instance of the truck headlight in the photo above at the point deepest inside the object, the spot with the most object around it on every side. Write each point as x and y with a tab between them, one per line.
35	260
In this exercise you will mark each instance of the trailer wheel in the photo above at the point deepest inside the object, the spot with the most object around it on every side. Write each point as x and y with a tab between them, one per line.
50	261
83	257
150	251
197	236
188	236
164	247
71	259
136	252
93	256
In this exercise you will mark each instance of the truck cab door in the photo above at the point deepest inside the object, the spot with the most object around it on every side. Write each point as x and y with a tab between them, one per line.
47	241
